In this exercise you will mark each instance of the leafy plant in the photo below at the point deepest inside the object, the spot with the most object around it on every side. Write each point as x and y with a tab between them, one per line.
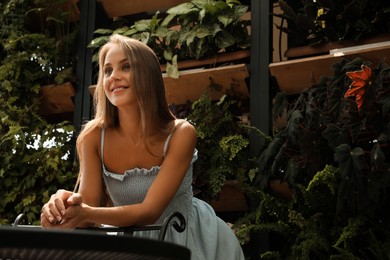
36	157
335	154
191	30
223	144
56	24
313	22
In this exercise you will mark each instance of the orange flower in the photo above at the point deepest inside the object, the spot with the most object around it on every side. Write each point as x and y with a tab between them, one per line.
361	80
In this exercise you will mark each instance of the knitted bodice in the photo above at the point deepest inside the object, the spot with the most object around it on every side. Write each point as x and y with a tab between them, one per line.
131	186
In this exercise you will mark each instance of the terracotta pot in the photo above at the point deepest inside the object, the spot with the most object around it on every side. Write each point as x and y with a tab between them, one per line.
56	99
281	188
231	198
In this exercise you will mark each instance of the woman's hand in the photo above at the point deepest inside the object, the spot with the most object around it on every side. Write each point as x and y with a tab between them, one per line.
74	216
54	211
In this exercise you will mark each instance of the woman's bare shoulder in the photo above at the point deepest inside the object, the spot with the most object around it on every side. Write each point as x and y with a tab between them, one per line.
182	125
92	136
184	132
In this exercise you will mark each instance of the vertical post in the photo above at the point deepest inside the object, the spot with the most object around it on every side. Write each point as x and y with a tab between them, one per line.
82	101
260	114
260	108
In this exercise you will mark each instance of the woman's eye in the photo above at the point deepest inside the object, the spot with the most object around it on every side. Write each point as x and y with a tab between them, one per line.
126	67
107	71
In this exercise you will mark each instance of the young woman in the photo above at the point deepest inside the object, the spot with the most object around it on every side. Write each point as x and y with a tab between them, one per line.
136	159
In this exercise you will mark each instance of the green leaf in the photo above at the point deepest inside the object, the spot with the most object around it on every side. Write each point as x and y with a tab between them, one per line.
203	31
349	160
335	135
183	8
172	69
293	127
103	31
97	42
224	40
384	100
142	25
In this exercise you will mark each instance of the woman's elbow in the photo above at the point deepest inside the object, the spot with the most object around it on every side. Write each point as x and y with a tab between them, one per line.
150	215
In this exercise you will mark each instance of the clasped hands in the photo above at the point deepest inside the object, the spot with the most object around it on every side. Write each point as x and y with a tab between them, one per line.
63	210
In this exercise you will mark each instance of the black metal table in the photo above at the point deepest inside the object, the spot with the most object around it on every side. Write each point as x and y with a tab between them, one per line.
40	244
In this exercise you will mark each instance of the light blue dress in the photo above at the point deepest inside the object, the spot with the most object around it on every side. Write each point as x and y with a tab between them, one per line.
206	235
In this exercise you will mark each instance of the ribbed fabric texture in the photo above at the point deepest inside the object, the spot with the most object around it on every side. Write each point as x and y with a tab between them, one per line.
207	236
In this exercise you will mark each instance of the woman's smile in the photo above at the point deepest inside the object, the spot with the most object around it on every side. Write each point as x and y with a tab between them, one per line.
118	89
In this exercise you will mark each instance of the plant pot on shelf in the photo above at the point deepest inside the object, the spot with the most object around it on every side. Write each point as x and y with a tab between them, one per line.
119	8
67	11
57	100
231	198
222	58
295	75
281	188
325	48
191	84
196	76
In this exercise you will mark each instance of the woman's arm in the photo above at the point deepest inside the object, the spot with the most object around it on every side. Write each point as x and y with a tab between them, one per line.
55	211
161	192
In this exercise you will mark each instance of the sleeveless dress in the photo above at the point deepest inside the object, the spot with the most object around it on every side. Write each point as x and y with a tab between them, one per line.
206	235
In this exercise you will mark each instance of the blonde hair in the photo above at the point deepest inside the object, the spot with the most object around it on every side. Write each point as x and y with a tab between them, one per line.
148	86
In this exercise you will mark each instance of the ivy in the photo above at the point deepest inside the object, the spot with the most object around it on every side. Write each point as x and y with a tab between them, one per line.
37	157
223	143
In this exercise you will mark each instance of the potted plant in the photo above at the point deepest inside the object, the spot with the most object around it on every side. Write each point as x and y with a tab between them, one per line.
191	30
334	155
321	24
321	33
56	57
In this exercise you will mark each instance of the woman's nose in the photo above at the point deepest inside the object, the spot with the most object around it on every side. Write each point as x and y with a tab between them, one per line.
115	75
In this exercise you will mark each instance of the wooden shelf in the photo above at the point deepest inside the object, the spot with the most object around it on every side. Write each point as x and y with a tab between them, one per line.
117	8
193	83
57	101
324	48
293	76
212	61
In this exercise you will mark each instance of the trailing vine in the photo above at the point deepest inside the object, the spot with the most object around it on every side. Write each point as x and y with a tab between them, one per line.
36	156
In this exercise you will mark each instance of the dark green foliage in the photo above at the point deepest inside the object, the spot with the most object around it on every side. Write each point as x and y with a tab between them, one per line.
36	157
216	121
192	30
223	144
336	159
313	22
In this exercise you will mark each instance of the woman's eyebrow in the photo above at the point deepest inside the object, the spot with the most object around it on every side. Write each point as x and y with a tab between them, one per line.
121	61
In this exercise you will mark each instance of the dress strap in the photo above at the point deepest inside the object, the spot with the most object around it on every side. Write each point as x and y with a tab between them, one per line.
167	143
170	135
102	144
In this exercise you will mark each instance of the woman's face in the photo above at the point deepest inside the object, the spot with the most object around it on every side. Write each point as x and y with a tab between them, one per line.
116	77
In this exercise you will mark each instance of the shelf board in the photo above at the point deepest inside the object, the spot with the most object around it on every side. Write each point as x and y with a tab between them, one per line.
211	61
324	48
118	8
56	102
295	75
192	84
